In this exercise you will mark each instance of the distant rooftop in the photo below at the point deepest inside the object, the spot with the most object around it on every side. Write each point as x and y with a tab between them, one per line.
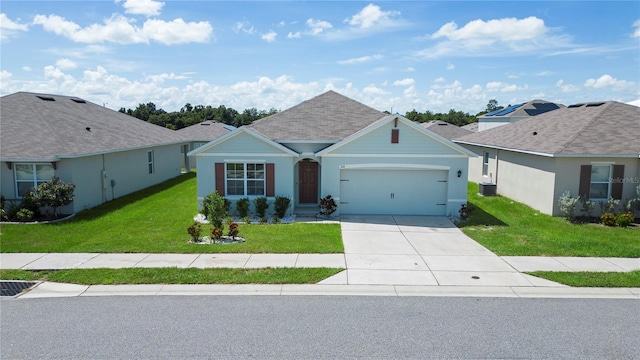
531	108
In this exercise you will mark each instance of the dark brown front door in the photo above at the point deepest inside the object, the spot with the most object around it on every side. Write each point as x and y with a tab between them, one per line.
308	182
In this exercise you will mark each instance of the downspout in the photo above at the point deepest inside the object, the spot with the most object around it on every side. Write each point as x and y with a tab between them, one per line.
103	182
497	165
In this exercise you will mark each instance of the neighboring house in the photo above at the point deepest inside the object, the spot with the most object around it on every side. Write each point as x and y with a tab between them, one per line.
473	127
200	134
589	149
513	113
446	130
369	161
104	153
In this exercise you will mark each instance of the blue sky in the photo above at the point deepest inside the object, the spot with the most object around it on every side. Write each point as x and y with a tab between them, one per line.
399	56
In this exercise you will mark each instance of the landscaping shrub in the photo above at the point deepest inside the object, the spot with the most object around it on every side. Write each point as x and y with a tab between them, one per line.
242	207
261	205
24	215
216	233
54	193
327	205
214	208
281	205
195	230
234	230
586	206
465	211
608	219
624	219
567	205
609	206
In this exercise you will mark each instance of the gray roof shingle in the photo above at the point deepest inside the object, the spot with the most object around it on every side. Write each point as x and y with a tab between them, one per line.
605	128
204	131
446	130
35	129
326	117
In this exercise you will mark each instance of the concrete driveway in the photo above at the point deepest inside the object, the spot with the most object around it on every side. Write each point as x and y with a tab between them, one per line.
420	250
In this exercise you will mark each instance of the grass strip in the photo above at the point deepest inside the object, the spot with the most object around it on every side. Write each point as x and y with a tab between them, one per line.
592	279
175	276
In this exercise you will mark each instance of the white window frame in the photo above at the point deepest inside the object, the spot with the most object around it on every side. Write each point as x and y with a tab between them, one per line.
606	181
485	164
35	181
151	166
246	172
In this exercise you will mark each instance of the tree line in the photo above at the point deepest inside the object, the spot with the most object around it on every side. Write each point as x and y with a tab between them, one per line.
191	115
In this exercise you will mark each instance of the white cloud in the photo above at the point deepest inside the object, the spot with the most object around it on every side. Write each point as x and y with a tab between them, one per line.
143	7
360	60
607	81
439	80
243	26
410	69
636	32
372	89
295	35
504	87
26	68
10	28
165	76
66	64
270	36
507	29
544	73
566	87
370	16
404	82
119	29
5	76
317	26
483	38
450	66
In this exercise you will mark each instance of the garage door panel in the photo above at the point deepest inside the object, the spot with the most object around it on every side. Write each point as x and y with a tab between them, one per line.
417	192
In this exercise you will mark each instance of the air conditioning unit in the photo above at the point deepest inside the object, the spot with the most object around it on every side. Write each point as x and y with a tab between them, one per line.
487	189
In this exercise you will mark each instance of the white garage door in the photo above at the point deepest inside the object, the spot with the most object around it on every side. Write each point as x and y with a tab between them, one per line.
395	192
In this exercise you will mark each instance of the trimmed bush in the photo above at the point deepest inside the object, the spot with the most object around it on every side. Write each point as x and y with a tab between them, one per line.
624	219
242	207
281	205
261	205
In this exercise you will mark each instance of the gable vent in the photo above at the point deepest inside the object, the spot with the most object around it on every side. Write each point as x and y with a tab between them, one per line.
45	98
79	101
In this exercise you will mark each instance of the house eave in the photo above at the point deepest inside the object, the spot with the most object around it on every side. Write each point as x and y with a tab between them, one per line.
546	154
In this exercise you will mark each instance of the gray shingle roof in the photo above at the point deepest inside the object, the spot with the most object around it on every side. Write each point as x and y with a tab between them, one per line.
35	129
585	129
204	131
473	127
326	117
446	130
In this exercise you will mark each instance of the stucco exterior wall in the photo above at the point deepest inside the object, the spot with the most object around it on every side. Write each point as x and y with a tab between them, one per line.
476	164
129	169
529	179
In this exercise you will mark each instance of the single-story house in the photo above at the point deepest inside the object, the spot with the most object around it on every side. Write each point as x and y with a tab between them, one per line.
513	113
590	149
370	162
200	134
104	153
446	130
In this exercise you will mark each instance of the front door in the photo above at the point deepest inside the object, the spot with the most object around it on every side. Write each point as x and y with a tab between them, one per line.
308	182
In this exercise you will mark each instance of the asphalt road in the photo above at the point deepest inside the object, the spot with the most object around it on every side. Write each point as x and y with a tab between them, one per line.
307	327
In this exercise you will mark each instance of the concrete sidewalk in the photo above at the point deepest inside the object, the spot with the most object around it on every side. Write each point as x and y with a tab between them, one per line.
60	261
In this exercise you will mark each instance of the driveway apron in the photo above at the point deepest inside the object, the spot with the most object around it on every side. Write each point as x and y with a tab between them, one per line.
420	250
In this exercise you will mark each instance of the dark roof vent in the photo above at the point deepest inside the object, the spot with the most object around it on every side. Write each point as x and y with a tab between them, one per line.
79	101
535	133
45	98
443	124
204	124
575	105
88	128
594	104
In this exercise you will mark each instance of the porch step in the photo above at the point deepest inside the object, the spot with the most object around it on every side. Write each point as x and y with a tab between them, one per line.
306	210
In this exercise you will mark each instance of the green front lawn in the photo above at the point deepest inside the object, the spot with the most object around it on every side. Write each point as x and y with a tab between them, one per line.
592	279
175	276
155	220
507	227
